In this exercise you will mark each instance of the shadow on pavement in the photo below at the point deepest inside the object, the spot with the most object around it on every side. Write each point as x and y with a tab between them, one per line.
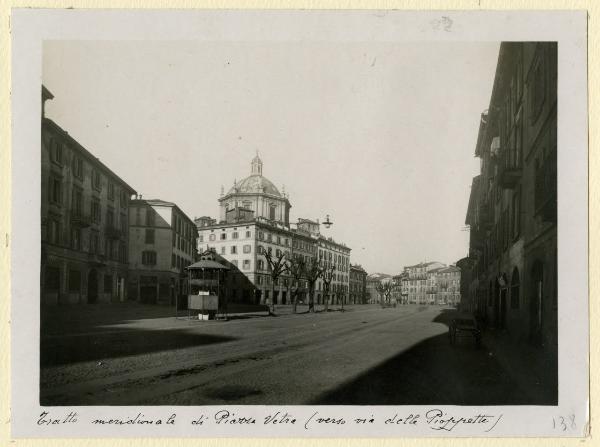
81	348
55	320
435	372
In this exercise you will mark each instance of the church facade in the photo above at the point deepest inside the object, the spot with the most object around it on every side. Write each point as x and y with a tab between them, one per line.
254	218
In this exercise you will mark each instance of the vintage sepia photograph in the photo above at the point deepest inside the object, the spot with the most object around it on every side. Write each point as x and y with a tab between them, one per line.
332	224
276	223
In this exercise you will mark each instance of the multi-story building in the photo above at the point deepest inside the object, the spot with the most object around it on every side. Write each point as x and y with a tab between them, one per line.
400	292
372	283
162	242
358	284
254	219
512	207
419	285
84	224
444	285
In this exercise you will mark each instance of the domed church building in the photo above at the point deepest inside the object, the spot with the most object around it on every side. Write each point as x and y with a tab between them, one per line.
254	220
255	196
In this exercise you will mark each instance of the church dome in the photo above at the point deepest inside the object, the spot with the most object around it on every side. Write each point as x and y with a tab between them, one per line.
255	184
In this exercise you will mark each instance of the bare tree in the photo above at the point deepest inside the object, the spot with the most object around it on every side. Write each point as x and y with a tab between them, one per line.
327	276
312	272
295	267
385	291
277	266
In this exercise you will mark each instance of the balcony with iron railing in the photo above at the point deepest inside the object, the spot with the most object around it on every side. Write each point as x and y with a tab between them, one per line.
509	169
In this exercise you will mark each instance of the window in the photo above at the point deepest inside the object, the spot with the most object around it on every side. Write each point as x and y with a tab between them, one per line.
248	234
233	249
200	238
56	151
279	239
108	279
211	237
123	199
110	218
278	252
258	279
149	257
247	248
246	264
234	235
77	167
287	242
272	212
260	249
260	235
74	281
223	250
53	230
56	190
76	238
223	236
149	237
123	222
260	264
111	191
269	237
94	240
150	217
514	289
52	279
516	214
173	260
96	180
77	202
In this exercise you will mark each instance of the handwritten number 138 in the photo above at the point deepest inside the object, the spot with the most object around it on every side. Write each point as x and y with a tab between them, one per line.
562	423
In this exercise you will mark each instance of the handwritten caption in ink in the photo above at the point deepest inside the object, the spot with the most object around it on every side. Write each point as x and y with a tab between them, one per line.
434	419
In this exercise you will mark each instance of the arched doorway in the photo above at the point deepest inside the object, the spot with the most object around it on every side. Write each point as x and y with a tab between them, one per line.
537	302
92	287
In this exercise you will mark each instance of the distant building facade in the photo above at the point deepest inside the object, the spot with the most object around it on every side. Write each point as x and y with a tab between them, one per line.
84	222
373	282
254	218
512	206
162	243
358	285
418	284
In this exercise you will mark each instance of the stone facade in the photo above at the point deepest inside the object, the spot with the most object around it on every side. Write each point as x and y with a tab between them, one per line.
162	243
254	218
358	284
512	207
84	223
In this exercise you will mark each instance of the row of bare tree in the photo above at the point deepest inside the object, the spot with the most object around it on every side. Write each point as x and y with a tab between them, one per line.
299	269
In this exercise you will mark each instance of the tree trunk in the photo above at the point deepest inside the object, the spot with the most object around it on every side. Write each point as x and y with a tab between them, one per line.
311	299
272	310
326	296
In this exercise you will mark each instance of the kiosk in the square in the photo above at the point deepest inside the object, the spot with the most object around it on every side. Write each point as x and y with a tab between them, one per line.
207	298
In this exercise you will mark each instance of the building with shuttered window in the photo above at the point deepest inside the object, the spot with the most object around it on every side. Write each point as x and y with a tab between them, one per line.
84	222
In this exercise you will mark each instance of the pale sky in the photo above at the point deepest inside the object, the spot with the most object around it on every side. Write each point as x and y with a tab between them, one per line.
380	136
